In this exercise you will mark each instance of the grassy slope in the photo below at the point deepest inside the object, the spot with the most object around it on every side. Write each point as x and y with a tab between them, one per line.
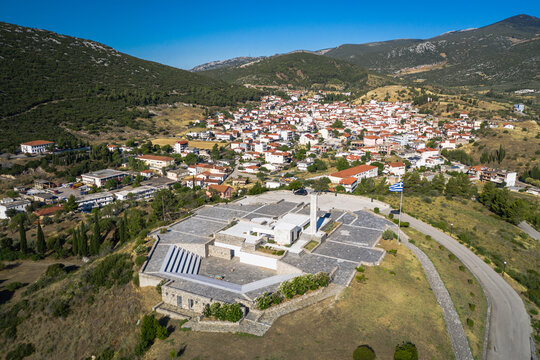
499	240
394	305
463	287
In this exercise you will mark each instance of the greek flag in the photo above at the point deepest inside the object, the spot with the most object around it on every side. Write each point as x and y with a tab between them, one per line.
397	187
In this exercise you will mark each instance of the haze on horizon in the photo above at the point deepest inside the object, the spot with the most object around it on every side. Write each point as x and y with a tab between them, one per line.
186	35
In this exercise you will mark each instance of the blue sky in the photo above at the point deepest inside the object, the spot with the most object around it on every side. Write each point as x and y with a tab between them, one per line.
184	34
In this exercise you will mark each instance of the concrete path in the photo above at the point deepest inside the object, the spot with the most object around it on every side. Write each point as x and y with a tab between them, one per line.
529	230
508	321
460	345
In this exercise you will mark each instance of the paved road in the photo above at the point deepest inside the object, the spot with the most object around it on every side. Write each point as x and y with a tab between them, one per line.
509	323
529	230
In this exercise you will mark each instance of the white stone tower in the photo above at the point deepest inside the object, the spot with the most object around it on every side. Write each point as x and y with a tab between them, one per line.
313	213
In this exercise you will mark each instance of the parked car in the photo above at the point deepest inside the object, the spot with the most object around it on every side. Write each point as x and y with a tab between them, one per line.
302	192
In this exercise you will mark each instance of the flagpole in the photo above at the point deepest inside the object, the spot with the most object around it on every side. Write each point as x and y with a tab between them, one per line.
399	218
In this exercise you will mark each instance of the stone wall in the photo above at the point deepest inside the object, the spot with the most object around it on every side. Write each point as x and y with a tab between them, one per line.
219	252
197	249
189	301
148	280
229	239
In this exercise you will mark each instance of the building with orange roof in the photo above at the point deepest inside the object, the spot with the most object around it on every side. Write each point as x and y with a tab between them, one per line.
36	146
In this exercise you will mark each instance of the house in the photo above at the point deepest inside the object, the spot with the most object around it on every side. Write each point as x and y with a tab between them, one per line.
358	172
224	191
395	168
36	146
156	162
508	126
349	184
100	177
48	211
180	146
276	157
15	205
303	165
177	174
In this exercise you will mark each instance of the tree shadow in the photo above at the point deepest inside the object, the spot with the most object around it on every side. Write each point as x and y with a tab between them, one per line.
5	296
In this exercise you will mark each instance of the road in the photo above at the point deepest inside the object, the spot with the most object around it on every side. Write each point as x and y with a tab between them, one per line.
509	323
529	230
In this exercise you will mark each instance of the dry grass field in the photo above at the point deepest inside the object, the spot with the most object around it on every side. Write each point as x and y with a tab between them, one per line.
394	304
195	143
521	146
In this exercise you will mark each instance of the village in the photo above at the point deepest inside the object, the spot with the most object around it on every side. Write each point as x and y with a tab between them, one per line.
277	143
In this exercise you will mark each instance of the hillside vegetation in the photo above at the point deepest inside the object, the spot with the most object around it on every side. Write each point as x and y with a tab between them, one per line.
53	84
297	69
506	52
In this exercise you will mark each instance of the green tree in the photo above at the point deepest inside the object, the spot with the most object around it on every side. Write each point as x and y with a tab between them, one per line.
215	153
321	184
95	242
83	245
406	351
342	163
165	204
75	242
111	184
22	237
122	231
40	242
71	204
295	185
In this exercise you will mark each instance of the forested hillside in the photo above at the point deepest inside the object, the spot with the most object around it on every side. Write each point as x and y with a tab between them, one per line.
50	83
297	69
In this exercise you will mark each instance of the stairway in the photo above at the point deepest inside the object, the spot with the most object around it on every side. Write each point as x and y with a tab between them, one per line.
181	261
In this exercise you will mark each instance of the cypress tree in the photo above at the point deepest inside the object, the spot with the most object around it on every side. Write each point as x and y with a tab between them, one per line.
41	247
75	242
22	237
122	231
83	246
96	237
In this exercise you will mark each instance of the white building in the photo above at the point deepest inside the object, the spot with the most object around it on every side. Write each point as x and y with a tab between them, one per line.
141	192
156	162
95	200
36	147
18	205
100	177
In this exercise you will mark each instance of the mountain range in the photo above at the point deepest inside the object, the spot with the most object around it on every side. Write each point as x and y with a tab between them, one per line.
503	53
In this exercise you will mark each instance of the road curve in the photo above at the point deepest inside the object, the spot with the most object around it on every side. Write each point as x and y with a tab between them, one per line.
509	324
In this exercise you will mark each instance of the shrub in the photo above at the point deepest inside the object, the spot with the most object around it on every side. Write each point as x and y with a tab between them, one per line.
364	352
114	269
360	269
139	260
60	308
21	351
427	199
406	351
224	312
470	323
472	307
452	257
361	278
404	224
376	210
388	234
461	268
393	252
14	286
150	329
